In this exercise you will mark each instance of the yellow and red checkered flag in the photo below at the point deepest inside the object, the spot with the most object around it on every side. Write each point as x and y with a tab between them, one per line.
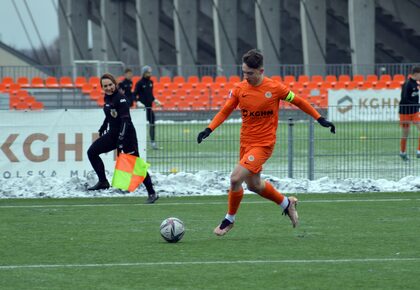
129	172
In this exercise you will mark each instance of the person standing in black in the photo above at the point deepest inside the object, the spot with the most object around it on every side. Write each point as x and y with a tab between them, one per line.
116	132
126	85
143	93
410	110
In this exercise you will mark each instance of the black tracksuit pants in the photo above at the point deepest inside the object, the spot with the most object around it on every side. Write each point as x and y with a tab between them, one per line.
107	143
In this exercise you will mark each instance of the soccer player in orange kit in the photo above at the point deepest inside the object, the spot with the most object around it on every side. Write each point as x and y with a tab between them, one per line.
258	98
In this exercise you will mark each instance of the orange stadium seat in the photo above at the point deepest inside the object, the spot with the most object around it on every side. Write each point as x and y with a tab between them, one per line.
304	80
207	79
345	79
51	82
22	106
22	95
359	79
87	88
193	79
395	85
95	82
220	79
331	79
37	82
380	85
154	79
366	85
14	88
372	78
289	79
80	81
178	79
385	78
234	79
135	80
96	95
277	78
7	81
23	82
66	82
399	78
36	106
165	79
317	79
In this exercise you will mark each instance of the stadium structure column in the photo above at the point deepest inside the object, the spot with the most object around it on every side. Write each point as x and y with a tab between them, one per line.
147	22
225	14
72	20
267	21
313	23
185	27
112	29
362	35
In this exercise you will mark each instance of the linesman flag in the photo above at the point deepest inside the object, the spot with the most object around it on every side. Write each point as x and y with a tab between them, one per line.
129	172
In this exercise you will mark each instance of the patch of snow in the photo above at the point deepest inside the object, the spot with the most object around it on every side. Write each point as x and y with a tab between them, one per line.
200	183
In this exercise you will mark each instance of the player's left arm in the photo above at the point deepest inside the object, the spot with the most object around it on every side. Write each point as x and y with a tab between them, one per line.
304	105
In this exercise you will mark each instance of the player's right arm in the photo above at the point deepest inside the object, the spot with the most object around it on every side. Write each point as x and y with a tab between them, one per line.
221	116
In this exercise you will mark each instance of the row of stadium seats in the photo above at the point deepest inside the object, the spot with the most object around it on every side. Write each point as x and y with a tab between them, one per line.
193	93
330	81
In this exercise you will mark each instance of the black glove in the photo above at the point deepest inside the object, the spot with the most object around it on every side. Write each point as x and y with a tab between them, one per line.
324	123
203	135
103	129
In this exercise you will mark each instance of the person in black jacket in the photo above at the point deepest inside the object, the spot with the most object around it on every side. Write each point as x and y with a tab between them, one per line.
409	110
116	132
145	98
127	85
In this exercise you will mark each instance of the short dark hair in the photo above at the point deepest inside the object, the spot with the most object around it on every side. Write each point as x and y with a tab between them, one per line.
127	70
253	58
416	69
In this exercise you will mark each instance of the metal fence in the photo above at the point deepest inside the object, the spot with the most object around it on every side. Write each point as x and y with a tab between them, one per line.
304	149
95	68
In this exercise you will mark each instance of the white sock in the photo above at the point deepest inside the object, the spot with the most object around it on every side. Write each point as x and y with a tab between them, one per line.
230	217
285	203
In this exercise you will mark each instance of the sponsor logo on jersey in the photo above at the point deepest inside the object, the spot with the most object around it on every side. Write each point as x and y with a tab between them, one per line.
123	101
251	158
246	113
268	95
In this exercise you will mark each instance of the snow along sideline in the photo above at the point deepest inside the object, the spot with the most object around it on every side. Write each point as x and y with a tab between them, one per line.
187	184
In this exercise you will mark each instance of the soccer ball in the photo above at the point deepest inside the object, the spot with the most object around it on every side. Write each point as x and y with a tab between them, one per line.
172	230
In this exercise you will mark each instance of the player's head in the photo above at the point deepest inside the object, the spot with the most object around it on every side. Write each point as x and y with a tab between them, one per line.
415	73
253	66
146	71
108	83
128	73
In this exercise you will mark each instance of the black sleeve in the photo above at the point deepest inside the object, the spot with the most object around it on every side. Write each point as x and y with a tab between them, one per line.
137	91
124	113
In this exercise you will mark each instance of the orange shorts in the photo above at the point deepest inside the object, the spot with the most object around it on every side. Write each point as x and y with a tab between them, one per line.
406	119
253	158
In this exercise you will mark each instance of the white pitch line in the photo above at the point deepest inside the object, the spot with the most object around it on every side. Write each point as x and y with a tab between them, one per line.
205	203
168	263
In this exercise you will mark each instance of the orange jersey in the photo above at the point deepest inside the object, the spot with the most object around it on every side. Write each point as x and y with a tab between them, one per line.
260	108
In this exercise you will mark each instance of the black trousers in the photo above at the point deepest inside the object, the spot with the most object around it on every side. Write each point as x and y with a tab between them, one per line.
107	143
150	115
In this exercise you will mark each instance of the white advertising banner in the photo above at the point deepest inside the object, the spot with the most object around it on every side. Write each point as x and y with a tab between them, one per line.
55	142
363	105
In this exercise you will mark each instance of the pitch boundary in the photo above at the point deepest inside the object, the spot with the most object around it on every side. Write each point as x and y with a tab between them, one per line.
169	263
207	203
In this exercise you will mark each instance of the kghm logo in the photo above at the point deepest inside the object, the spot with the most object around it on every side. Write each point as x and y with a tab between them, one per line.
246	113
345	104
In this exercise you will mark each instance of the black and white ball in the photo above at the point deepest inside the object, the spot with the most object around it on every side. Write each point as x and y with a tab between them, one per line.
172	230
